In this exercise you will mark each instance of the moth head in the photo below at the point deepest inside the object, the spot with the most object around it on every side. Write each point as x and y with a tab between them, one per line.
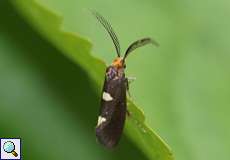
118	63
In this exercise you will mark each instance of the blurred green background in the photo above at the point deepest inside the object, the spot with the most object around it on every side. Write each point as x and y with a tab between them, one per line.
183	86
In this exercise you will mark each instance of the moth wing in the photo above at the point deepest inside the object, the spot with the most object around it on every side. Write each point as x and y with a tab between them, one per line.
112	112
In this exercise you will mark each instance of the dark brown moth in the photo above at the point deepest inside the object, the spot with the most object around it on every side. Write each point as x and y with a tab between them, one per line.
113	109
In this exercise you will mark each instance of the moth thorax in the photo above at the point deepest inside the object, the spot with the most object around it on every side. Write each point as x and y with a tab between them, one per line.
118	62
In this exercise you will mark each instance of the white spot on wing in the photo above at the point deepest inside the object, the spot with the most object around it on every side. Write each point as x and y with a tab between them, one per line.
107	97
100	120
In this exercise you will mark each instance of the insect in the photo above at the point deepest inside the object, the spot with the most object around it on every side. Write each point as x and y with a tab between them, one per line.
113	109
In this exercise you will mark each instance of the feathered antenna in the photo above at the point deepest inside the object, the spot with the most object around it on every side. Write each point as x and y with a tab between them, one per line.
139	43
110	30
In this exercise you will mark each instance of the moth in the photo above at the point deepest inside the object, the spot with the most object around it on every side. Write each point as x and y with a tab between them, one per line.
113	109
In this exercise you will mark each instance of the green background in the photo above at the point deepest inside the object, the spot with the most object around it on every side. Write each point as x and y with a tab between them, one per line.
182	86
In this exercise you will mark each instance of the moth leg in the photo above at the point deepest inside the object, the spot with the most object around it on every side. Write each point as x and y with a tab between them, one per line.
128	80
131	79
128	113
127	87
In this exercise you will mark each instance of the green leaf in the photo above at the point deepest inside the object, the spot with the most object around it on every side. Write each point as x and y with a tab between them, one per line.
77	49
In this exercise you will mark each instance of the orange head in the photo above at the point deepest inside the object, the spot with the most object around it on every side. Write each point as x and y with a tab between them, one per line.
118	62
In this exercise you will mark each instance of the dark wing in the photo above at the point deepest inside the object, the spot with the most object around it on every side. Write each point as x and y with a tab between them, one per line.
112	113
110	30
139	43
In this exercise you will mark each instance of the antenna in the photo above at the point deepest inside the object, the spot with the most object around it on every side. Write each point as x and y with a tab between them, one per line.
110	30
139	43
